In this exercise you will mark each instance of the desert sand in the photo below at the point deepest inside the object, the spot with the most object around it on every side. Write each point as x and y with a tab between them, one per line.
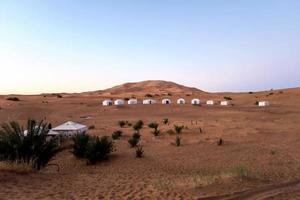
259	159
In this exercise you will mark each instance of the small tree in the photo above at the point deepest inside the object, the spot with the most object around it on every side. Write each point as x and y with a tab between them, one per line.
138	126
122	123
178	129
154	126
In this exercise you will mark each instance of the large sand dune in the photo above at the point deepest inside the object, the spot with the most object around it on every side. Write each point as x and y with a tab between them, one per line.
260	157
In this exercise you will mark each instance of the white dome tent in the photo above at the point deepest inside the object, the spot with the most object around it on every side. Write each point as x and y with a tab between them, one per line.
119	102
225	103
166	101
210	102
70	129
195	102
263	103
107	102
149	101
132	101
180	101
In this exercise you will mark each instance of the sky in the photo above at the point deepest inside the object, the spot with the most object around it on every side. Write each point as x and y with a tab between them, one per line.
215	45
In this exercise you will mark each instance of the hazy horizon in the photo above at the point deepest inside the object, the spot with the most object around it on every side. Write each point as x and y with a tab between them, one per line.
75	46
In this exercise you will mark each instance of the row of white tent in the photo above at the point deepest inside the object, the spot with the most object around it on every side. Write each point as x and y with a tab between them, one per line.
119	102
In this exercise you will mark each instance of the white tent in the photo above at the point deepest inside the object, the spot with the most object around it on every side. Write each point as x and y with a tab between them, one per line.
195	101
119	102
149	101
180	101
263	103
132	101
224	103
69	129
210	102
107	102
166	101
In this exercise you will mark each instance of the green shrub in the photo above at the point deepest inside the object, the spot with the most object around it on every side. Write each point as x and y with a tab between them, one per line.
154	126
12	99
30	147
228	98
59	96
98	149
121	123
138	125
116	135
256	103
134	140
80	144
139	152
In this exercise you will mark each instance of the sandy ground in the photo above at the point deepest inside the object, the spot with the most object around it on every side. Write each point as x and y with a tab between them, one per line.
260	157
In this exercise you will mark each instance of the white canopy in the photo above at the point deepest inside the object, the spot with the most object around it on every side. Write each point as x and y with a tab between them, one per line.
195	101
119	102
107	102
132	101
149	101
70	128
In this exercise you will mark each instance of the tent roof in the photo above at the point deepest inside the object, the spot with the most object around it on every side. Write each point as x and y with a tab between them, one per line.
70	126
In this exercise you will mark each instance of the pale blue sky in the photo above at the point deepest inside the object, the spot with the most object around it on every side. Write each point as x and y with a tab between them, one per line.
215	45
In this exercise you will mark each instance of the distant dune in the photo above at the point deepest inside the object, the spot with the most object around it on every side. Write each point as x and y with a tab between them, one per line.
153	87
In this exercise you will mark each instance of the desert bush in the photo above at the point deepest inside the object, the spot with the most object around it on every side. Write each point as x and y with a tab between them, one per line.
178	129
126	99
80	145
30	147
116	134
154	126
98	149
256	103
165	121
12	99
148	95
91	127
134	139
250	92
133	142
138	125
139	152
169	94
177	140
121	123
227	98
59	96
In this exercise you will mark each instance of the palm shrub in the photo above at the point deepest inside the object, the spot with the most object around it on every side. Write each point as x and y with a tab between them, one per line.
178	129
116	134
154	126
80	144
138	126
98	149
30	147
